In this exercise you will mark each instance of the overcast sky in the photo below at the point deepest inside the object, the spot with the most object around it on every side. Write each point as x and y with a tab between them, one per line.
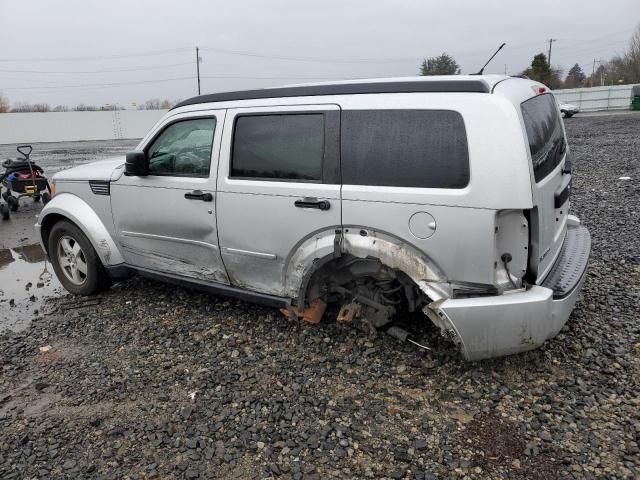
79	43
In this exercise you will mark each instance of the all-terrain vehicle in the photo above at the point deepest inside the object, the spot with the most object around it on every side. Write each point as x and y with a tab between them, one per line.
23	178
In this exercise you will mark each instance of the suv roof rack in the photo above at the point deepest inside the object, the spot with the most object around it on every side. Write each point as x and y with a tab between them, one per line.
416	86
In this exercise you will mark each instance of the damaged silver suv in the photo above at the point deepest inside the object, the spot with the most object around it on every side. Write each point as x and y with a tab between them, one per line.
446	195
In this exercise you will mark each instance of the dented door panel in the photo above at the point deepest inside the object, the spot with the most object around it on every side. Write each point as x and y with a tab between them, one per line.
159	228
264	219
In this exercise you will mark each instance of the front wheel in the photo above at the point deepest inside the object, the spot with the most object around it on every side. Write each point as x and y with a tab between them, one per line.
74	260
568	114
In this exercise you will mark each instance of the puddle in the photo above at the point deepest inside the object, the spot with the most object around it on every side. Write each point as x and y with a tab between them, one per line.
26	280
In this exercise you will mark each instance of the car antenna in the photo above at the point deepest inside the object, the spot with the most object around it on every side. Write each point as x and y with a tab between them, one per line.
485	65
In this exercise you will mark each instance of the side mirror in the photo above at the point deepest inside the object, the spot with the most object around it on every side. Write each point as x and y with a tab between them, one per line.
136	164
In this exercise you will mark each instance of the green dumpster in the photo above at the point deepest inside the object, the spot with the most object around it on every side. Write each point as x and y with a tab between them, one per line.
635	97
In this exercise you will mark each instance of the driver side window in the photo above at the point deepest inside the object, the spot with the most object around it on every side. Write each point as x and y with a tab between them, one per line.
183	149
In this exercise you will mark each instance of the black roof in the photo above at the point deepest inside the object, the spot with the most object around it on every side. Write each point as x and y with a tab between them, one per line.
475	86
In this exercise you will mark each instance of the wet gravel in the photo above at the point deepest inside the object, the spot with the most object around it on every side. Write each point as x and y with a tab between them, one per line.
56	156
152	381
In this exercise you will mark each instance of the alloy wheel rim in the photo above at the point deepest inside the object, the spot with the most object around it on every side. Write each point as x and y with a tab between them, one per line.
72	260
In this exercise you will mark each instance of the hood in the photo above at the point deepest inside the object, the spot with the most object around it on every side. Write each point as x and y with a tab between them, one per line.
101	170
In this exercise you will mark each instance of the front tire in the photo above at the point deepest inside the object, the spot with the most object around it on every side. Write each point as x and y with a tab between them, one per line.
568	114
74	260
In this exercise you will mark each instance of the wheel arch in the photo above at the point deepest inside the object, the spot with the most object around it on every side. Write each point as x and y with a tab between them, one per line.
322	247
69	207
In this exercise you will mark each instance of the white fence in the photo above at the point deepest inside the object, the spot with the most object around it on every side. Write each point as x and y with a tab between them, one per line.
71	126
597	98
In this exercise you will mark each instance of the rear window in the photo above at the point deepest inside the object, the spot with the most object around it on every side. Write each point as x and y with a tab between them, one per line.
544	131
278	147
404	148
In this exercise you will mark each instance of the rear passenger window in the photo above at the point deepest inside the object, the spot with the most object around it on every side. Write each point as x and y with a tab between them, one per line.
544	131
404	148
281	147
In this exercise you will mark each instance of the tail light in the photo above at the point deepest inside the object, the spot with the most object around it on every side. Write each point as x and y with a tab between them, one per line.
511	248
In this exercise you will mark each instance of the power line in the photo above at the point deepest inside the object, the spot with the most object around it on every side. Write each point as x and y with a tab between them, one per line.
100	85
117	84
567	44
97	57
281	57
57	82
308	59
134	69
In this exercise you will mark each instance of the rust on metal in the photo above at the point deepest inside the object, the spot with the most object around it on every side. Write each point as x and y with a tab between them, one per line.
348	312
313	314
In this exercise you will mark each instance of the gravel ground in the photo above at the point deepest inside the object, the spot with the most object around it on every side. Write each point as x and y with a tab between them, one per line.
149	380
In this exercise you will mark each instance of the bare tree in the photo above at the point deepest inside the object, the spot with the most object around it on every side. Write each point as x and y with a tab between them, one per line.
41	107
153	104
19	107
85	108
633	57
4	104
621	69
111	107
156	104
60	108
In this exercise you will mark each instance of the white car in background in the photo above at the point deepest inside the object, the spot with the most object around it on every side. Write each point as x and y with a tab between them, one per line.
568	109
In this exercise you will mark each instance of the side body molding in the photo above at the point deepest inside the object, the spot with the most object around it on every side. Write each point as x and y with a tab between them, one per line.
79	212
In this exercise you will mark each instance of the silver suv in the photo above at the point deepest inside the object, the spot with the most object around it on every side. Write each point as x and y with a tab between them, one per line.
446	195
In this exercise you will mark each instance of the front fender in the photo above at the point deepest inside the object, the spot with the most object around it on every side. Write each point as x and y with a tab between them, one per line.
80	213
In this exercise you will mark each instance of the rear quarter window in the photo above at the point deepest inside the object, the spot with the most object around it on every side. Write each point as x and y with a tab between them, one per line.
404	148
543	124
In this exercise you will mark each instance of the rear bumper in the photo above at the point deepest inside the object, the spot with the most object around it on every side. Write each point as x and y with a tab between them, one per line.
486	327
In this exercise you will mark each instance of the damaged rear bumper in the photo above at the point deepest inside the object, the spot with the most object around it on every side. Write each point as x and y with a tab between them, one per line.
486	327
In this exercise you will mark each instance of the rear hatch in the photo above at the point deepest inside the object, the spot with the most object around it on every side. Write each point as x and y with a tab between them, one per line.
551	182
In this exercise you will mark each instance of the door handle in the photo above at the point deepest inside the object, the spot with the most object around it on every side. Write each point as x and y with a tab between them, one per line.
313	203
199	195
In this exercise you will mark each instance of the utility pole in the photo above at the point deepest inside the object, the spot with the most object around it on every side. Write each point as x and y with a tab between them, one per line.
551	40
198	67
593	72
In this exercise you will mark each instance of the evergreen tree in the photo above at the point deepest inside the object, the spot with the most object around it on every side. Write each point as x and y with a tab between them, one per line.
541	71
575	77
